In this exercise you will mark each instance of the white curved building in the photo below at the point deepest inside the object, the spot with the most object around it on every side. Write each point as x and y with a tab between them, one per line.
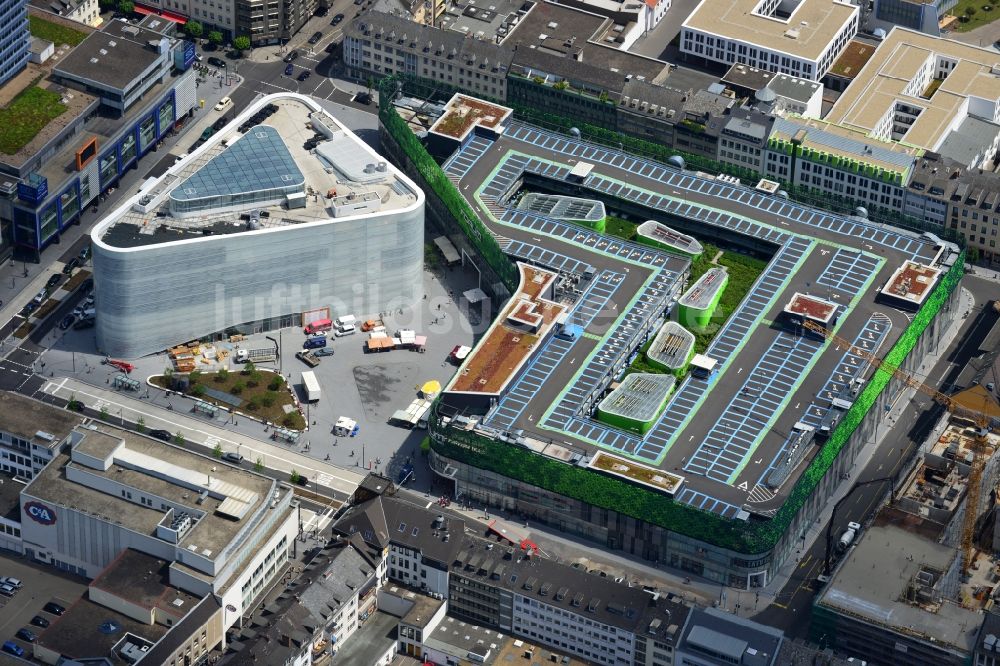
283	211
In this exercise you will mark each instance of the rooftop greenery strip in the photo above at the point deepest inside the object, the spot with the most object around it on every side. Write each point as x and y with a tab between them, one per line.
26	115
436	180
54	32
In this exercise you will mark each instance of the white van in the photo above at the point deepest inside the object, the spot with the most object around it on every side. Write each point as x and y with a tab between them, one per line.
346	320
348	329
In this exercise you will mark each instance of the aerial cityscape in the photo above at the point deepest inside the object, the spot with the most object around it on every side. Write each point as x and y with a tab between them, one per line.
459	332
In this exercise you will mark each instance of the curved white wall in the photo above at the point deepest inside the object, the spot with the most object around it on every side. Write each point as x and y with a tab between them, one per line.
153	297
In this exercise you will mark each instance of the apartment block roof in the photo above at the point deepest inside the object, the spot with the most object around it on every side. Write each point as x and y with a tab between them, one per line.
736	640
405	33
873	584
969	140
114	56
812	27
384	520
574	590
887	78
31	420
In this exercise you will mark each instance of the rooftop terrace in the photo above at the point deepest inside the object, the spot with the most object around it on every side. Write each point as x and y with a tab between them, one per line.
507	345
811	307
299	164
462	114
911	282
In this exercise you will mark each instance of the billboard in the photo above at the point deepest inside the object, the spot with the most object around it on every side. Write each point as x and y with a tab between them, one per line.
87	152
33	189
40	513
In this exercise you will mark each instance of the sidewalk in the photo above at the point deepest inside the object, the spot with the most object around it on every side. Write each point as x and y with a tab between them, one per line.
121	406
13	305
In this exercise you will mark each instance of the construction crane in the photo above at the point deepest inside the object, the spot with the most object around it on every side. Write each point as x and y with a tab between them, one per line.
980	443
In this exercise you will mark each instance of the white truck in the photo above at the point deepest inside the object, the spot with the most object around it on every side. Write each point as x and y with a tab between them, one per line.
259	355
847	538
310	385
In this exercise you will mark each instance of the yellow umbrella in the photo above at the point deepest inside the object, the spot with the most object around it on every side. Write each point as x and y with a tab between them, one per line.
431	389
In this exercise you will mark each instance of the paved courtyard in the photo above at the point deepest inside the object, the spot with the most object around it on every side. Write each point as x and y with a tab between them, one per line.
365	387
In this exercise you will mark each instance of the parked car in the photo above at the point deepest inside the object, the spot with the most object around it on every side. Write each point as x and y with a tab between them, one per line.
10	647
13	582
217	62
223	104
8	590
289	68
83	323
163	435
207	134
292	55
70	265
40	621
54	608
315	342
26	634
220	123
53	281
84	254
67	321
307	357
40	297
363	98
304	75
337	19
316	36
321	11
234	458
324	351
348	329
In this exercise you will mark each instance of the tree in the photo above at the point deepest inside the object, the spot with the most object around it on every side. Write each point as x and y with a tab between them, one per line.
255	378
268	398
254	403
258	465
970	11
126	7
248	367
222	375
214	37
241	43
194	376
179	438
238	388
198	390
217	451
294	477
276	383
194	29
73	404
104	413
140	424
106	5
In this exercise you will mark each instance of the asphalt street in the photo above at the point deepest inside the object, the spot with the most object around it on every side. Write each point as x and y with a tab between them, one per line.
791	608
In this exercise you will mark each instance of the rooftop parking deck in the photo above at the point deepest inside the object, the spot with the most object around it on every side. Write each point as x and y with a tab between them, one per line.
724	435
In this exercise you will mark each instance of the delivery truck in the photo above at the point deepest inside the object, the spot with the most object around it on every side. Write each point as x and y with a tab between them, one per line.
310	386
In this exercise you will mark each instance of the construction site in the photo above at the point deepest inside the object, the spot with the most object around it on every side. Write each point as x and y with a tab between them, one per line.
914	585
